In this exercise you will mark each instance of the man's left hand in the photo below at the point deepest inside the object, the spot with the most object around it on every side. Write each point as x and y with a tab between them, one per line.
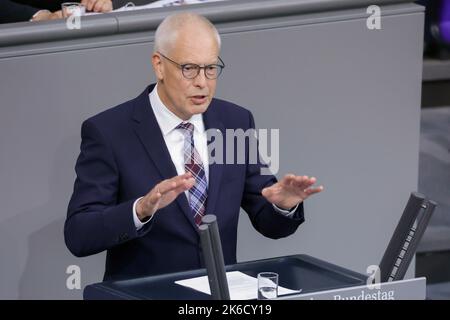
290	191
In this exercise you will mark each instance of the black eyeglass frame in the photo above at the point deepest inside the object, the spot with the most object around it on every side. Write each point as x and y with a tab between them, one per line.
197	67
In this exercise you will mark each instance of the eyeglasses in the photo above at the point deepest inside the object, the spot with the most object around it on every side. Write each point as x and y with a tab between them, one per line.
192	70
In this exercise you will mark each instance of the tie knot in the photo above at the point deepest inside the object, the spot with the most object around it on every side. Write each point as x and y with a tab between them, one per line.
187	127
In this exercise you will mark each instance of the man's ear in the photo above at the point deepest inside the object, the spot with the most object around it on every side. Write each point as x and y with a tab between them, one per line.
158	66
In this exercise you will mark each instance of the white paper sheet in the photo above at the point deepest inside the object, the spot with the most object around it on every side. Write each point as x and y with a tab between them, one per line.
241	286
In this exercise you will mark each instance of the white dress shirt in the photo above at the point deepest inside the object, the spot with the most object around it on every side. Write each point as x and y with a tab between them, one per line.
174	140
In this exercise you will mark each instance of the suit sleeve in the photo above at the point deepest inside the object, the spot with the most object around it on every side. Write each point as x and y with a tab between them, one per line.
262	214
95	220
11	11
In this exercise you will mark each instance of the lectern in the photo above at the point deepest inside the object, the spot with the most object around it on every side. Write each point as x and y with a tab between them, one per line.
295	272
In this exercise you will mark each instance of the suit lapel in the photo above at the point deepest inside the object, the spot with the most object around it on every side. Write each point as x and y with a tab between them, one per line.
212	122
147	129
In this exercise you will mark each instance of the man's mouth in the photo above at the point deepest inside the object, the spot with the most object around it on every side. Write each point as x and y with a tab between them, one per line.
198	99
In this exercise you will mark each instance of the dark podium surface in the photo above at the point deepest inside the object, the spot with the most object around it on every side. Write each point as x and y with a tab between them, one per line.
295	272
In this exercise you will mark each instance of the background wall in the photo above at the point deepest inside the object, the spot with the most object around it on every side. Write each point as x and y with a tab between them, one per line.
346	100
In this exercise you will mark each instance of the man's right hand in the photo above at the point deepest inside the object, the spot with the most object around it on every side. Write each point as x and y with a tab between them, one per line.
163	194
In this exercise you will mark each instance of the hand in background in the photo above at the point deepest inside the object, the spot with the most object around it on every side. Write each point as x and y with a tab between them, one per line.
290	191
47	15
98	5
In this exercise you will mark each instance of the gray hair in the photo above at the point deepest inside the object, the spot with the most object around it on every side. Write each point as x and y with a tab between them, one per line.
167	32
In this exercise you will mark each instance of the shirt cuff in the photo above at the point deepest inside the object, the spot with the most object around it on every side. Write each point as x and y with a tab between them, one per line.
138	223
287	213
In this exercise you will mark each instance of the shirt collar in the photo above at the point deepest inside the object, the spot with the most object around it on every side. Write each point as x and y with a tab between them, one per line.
167	120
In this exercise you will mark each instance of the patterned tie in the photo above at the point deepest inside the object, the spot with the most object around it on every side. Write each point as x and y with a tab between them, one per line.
193	164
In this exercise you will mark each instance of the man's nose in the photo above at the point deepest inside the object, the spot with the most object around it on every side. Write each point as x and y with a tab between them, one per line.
200	80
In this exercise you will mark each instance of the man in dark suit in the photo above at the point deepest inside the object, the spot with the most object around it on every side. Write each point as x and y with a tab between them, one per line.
145	178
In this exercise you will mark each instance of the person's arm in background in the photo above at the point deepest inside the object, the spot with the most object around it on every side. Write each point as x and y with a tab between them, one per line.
11	11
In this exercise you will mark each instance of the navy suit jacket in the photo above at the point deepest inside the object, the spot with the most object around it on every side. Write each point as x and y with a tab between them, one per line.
123	156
